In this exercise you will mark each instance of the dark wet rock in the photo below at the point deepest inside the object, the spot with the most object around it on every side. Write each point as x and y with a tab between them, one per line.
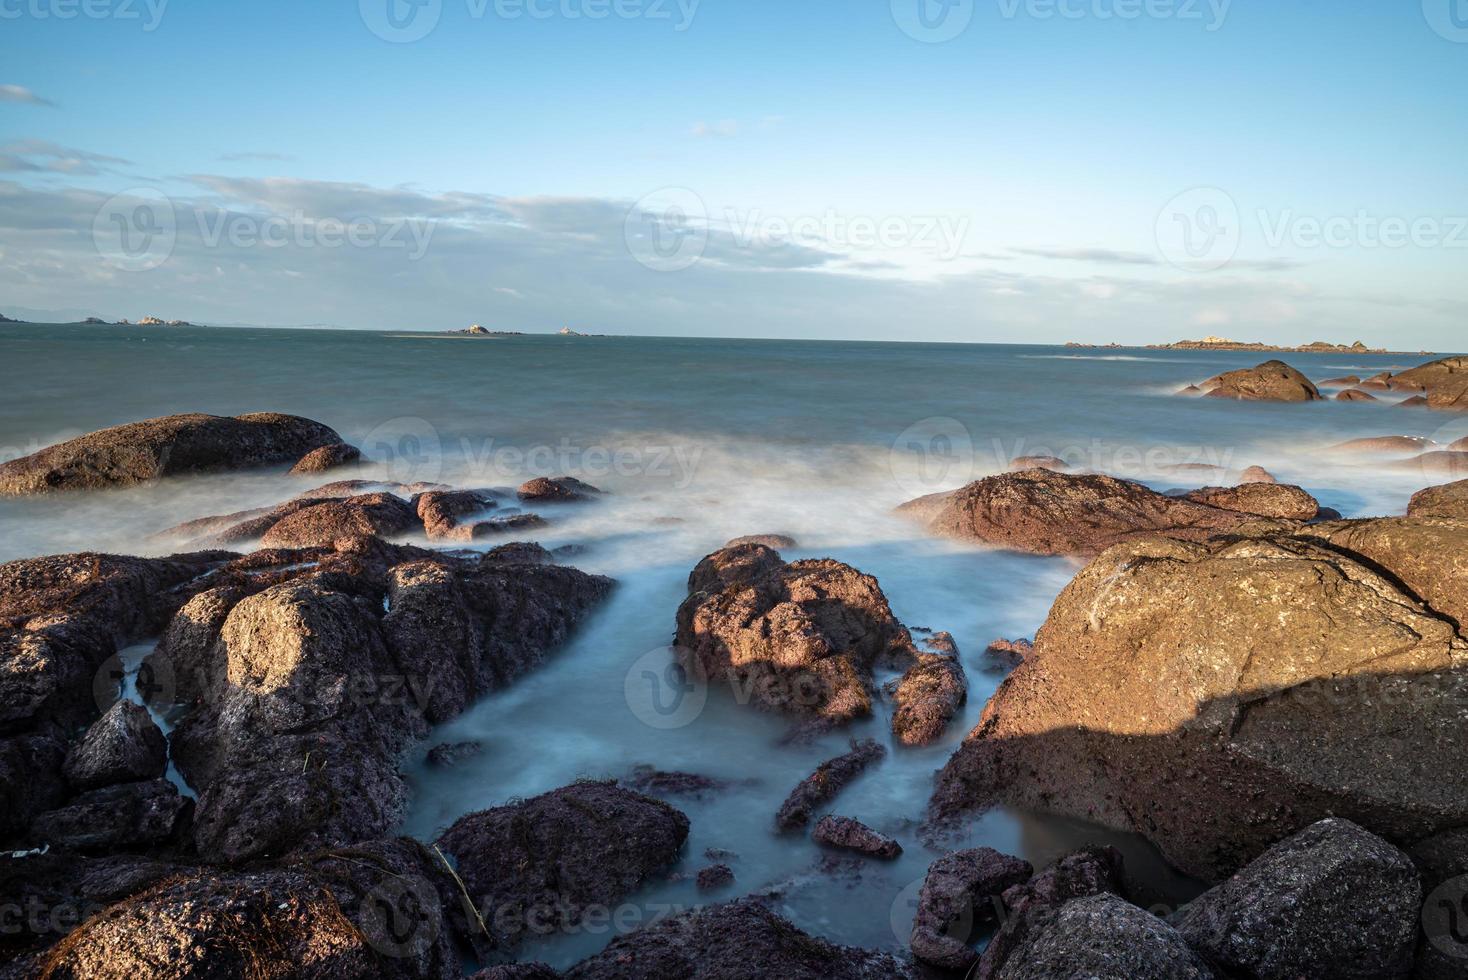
122	746
800	637
714	876
853	835
121	817
513	524
1331	901
1448	500
442	512
1093	871
1257	474
318	525
740	940
1103	937
823	785
719	854
30	771
450	754
517	971
658	782
1009	653
1273	381
1428	555
775	541
929	693
370	911
1218	698
1021	463
1355	395
1059	514
177	444
1277	500
960	890
559	489
537	866
326	458
1383	445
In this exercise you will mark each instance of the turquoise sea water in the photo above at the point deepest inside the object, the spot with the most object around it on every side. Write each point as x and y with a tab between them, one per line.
700	441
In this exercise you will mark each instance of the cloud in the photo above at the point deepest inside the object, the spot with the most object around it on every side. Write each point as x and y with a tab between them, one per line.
43	156
1103	255
22	95
249	156
724	129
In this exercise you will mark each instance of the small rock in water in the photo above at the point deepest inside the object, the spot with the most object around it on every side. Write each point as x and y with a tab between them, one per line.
853	835
959	889
821	786
560	489
715	876
452	753
1010	653
656	782
775	541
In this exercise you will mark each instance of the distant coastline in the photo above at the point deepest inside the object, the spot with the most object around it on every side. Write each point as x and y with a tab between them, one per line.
1224	344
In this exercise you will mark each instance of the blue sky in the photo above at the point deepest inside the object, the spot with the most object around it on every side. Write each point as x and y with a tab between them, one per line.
1034	176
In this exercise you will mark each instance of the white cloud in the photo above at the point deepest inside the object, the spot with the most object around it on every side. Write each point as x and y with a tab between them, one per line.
23	95
724	129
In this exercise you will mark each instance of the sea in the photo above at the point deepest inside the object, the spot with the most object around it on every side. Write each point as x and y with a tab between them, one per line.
697	441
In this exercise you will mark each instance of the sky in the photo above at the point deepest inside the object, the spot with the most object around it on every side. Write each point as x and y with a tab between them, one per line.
1037	171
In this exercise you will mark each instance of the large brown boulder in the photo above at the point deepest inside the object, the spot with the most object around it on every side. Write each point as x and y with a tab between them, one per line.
1049	513
798	637
740	940
1332	901
1448	500
1427	555
929	694
1273	381
1444	383
320	524
1279	500
176	444
1219	697
442	512
534	868
559	489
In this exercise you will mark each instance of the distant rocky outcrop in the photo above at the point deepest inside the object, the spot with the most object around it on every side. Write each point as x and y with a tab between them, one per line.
1224	344
170	446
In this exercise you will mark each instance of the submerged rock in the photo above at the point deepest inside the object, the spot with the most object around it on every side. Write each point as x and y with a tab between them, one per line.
560	489
442	512
775	541
1058	514
1217	698
534	868
799	637
740	940
853	835
1271	381
714	876
320	524
176	444
326	458
1332	901
1384	445
823	785
1355	395
959	891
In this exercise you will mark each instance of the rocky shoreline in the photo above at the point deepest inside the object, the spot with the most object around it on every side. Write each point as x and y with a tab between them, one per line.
1267	693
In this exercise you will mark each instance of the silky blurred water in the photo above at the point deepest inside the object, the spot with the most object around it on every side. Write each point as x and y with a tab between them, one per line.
699	441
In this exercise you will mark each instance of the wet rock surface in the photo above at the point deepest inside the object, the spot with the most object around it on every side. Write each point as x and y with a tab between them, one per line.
800	637
1448	500
826	783
1278	500
853	835
1048	513
319	524
1103	938
740	940
959	891
139	452
1271	381
124	745
775	541
537	866
929	694
559	489
1332	901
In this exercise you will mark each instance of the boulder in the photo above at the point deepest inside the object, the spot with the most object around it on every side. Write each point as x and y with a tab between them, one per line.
1217	698
125	816
799	637
320	524
960	891
1021	463
740	940
1438	463
929	693
517	971
713	877
775	541
1348	381
1103	937
1048	513
1094	871
1257	474
1278	500
853	835
442	512
1355	395
1009	653
557	490
534	868
823	785
1427	555
1332	901
1448	500
326	458
30	771
1416	401
48	895
122	746
139	452
1273	381
1447	375
1383	445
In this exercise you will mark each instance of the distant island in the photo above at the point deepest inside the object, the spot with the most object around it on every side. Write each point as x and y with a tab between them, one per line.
477	331
6	319
1225	344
